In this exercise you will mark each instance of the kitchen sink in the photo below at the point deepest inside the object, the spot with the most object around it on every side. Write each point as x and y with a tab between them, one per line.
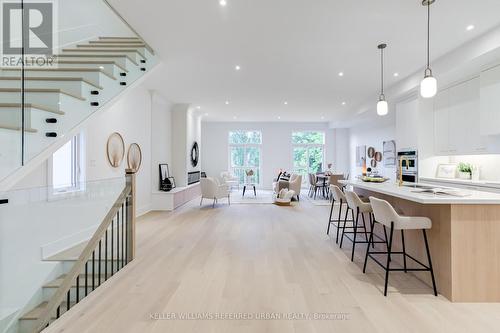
421	186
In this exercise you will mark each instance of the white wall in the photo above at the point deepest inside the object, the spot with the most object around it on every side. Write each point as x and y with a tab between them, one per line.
276	146
372	135
161	137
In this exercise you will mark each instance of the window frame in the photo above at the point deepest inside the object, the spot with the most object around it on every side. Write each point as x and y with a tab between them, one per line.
77	170
257	146
307	146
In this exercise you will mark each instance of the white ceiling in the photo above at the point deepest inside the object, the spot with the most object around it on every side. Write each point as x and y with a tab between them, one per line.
293	50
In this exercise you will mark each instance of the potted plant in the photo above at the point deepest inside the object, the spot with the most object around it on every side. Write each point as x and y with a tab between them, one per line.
464	171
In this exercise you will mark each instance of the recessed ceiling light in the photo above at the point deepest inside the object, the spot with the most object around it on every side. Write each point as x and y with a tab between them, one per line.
237	67
396	74
198	107
227	102
234	117
285	102
341	73
470	27
101	67
322	117
223	3
279	117
344	103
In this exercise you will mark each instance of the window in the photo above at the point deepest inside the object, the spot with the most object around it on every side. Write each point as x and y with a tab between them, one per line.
245	154
308	152
65	170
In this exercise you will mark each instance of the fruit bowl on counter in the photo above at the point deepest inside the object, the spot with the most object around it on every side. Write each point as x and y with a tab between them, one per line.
374	179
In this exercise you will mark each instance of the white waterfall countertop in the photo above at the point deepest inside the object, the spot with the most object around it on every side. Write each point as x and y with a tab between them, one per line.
442	195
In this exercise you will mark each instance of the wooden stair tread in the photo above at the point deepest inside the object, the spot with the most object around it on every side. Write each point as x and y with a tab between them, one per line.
118	45
36	312
48	78
15	128
111	37
40	90
30	105
104	50
61	69
92	62
57	282
97	56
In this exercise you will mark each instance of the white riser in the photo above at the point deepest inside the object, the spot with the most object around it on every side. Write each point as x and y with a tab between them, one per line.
142	50
122	61
10	154
132	54
112	69
78	88
97	78
12	116
52	100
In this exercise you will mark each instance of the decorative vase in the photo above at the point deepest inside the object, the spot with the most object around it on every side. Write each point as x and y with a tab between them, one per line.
464	175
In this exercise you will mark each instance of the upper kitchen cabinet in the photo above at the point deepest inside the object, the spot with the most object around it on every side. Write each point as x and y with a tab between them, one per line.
457	121
490	101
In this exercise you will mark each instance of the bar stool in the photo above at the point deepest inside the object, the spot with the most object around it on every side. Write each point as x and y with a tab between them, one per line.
337	196
385	214
356	204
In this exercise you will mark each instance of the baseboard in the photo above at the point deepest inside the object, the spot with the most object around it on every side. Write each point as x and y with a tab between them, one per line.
143	210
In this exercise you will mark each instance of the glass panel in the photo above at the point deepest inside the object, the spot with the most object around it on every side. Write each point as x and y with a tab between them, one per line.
315	159
245	137
237	156
299	157
253	157
308	137
62	163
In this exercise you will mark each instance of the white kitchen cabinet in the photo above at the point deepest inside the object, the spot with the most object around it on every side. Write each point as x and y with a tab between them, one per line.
407	117
457	121
490	102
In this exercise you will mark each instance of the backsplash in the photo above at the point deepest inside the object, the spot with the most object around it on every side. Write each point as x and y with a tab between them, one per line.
489	165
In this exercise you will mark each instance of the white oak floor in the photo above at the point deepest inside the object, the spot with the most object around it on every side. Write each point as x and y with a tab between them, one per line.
255	259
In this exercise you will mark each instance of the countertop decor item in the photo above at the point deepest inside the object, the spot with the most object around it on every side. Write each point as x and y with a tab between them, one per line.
389	151
447	171
377	179
115	149
378	156
134	157
373	163
371	152
195	154
464	171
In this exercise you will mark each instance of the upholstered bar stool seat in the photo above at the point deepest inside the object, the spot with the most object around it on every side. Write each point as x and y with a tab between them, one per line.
385	214
338	196
361	208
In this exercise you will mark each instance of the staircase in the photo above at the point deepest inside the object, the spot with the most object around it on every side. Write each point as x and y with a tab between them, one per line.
86	266
59	98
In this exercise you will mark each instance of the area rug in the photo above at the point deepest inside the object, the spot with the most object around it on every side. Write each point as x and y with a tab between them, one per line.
262	197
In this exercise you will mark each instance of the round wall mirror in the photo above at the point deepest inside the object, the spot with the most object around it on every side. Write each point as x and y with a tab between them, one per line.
195	154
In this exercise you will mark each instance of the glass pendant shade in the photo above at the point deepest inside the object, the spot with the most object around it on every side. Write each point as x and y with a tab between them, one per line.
382	107
428	87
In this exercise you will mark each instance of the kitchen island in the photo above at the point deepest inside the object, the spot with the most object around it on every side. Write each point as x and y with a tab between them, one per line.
464	239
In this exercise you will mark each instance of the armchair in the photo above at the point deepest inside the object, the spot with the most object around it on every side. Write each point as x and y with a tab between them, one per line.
294	184
211	189
229	179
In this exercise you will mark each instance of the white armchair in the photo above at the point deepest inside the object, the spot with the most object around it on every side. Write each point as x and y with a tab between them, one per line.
229	179
211	189
294	184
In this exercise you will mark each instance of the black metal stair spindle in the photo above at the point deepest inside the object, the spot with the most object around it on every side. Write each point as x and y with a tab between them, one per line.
78	288
93	270
123	228
68	299
118	241
106	255
99	260
58	312
126	232
112	266
86	278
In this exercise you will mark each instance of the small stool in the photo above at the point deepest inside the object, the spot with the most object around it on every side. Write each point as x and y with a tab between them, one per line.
337	196
355	204
385	214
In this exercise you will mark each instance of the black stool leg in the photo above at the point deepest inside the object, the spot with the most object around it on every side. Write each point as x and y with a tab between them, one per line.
364	226
372	226
404	249
343	227
330	218
388	259
355	233
386	240
338	223
430	263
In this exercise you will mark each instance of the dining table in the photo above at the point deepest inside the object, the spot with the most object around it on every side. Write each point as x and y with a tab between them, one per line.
332	178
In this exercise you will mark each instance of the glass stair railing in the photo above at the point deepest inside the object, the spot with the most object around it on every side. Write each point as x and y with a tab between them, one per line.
91	65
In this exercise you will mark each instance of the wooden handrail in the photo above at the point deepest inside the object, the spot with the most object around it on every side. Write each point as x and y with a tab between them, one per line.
75	271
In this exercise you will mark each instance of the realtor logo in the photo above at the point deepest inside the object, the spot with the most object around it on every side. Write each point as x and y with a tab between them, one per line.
30	25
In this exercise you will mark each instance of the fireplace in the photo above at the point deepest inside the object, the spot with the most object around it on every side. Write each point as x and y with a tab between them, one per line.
193	177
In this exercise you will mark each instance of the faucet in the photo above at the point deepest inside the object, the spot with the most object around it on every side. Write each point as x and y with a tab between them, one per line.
400	183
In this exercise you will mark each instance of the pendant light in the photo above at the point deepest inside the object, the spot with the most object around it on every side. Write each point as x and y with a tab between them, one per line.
382	106
428	86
